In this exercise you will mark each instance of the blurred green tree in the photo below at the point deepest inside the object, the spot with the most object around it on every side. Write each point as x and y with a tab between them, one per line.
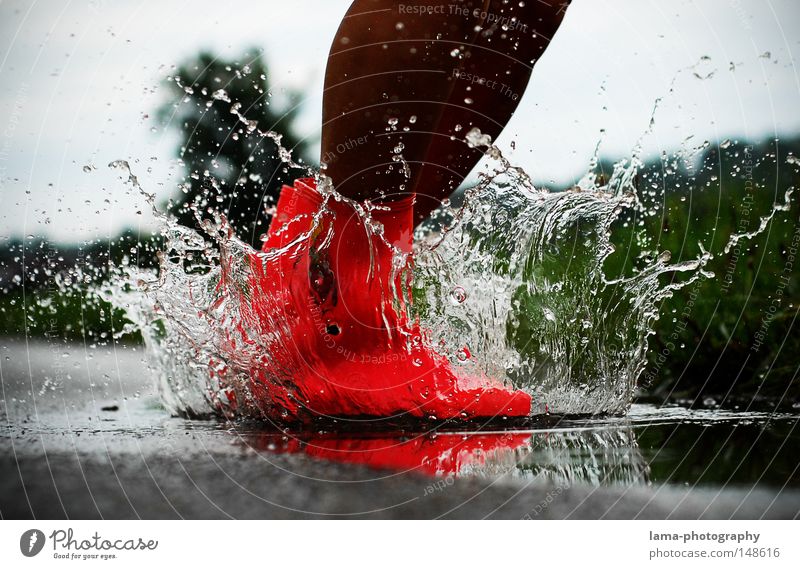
229	164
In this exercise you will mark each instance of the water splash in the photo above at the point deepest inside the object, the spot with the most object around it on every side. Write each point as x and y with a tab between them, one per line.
541	311
514	285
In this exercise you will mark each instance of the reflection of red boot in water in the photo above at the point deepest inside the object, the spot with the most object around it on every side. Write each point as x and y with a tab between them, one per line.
445	455
350	353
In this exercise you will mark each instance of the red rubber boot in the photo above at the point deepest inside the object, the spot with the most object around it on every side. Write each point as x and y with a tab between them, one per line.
320	301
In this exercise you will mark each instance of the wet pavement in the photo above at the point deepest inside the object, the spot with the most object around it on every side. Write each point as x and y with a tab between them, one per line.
83	436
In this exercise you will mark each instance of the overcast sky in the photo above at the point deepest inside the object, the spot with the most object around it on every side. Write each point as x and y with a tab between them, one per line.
81	80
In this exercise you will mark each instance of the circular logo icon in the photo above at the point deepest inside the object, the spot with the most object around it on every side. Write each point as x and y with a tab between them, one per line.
31	542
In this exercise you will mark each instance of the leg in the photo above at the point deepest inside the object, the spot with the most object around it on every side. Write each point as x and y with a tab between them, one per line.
405	77
439	70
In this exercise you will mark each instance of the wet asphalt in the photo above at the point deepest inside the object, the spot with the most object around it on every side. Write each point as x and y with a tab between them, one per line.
83	436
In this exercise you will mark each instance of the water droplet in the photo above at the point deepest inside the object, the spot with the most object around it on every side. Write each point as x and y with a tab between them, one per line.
458	295
221	95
